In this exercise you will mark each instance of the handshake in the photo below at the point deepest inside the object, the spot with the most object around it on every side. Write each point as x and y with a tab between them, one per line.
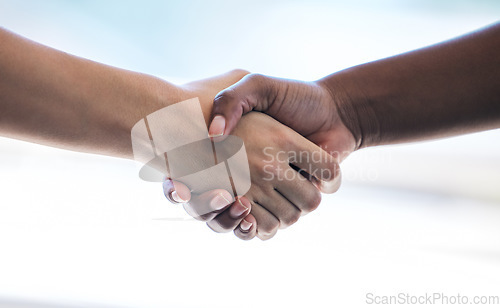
295	133
294	136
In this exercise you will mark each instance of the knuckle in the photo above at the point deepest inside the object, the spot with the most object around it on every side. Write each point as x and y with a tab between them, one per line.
284	137
265	237
334	170
256	78
246	236
291	218
225	96
327	171
283	132
238	72
194	212
203	217
331	186
225	225
268	228
268	170
215	227
313	201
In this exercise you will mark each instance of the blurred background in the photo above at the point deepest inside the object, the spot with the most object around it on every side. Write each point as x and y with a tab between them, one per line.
79	230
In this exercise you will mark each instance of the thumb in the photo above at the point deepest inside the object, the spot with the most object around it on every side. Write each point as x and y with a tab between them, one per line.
251	92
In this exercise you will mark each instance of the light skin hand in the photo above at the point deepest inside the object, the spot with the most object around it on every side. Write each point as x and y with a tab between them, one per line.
273	204
227	214
53	98
443	90
57	99
279	194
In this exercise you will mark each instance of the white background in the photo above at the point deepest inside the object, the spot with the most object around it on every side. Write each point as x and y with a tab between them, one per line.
84	230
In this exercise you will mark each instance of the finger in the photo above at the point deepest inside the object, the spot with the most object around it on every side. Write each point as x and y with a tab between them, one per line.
324	186
176	192
208	204
329	187
231	217
249	93
247	229
298	190
280	207
267	223
316	162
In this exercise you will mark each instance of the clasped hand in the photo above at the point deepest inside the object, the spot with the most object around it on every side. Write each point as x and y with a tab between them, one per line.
293	150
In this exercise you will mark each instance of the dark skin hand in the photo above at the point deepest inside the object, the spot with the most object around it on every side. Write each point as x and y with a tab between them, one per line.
443	90
447	89
306	107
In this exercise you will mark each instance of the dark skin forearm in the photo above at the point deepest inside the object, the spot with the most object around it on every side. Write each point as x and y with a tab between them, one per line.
447	89
443	90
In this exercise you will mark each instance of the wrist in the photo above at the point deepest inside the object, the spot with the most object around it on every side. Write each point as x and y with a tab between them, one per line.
146	94
130	98
354	107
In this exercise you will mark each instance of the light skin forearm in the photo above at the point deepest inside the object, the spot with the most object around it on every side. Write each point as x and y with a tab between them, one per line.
443	90
53	98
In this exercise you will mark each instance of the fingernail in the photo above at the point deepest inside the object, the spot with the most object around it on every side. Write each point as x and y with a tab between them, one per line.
176	197
219	202
237	209
217	126
245	225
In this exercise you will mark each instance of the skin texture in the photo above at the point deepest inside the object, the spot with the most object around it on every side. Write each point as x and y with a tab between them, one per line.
279	194
53	98
306	107
447	89
444	90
